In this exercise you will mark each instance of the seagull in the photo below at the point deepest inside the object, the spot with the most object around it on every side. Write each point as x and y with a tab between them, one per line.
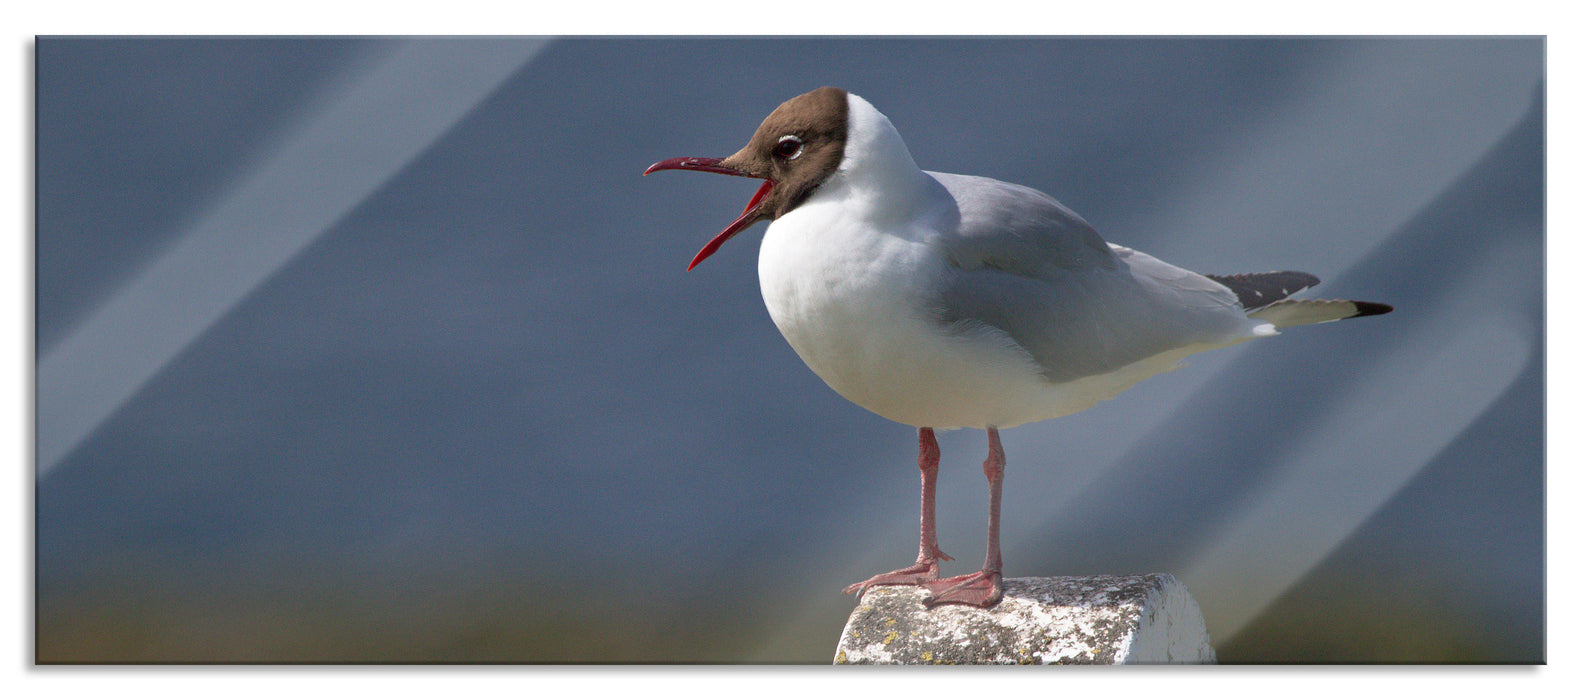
953	301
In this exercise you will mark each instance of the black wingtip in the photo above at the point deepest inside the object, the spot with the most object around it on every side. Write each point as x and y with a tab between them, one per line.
1369	308
1255	290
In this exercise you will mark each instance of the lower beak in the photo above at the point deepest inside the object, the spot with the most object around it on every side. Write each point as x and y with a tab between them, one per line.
750	215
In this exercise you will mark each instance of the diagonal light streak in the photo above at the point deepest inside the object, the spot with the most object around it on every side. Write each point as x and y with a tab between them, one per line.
357	142
1357	460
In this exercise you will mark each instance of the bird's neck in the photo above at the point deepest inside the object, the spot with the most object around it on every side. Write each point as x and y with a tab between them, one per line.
878	168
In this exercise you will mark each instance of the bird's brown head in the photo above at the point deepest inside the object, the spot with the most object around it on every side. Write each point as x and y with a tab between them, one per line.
798	146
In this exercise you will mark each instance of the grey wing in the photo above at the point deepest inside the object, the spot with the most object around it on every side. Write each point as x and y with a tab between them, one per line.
1028	267
1018	229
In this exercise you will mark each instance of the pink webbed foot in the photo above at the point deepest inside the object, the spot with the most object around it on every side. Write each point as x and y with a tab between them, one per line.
980	589
915	575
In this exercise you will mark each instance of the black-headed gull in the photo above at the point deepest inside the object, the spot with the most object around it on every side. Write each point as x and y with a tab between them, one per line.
945	301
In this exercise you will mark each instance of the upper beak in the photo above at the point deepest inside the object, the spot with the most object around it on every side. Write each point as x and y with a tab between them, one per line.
750	215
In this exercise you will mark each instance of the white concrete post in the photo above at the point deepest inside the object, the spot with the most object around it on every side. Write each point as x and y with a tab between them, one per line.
1141	619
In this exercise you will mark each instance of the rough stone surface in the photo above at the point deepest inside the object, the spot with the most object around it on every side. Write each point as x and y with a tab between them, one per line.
1141	619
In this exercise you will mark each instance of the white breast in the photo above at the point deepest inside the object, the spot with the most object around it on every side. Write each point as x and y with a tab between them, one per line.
851	302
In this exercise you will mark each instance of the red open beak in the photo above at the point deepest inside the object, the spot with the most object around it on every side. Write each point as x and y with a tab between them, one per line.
749	216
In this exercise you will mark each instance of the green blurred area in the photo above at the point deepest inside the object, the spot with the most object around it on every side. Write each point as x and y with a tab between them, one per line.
297	615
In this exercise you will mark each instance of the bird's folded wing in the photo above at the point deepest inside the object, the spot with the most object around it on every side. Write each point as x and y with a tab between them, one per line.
1023	265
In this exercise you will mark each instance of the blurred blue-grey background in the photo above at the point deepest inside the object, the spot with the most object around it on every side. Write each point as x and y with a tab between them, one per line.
381	349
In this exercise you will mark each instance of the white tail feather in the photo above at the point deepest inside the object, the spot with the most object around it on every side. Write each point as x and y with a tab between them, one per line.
1301	312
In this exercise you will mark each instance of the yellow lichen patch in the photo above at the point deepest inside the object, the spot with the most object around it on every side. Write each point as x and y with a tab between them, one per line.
891	636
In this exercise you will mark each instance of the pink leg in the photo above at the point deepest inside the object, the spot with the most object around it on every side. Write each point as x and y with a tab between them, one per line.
980	588
928	554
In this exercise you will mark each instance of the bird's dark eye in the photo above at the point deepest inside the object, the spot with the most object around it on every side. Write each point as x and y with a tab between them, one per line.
788	147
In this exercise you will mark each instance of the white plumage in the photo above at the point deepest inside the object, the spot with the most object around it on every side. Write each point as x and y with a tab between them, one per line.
946	300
